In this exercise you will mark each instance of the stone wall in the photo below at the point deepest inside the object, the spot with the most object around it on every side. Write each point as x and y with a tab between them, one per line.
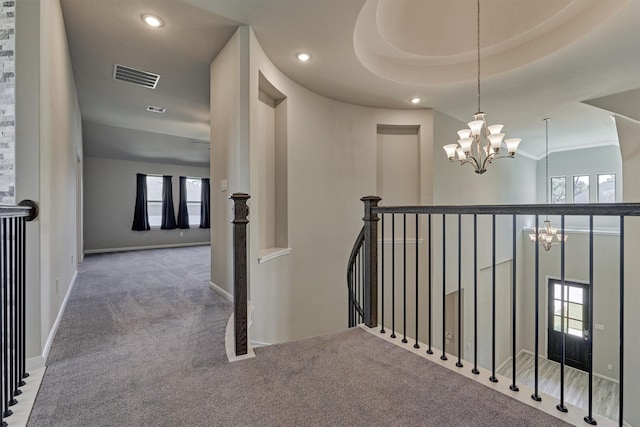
7	101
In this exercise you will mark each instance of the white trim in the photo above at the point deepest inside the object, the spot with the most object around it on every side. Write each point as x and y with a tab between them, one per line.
571	148
54	328
229	341
528	155
138	248
22	410
256	344
272	253
221	291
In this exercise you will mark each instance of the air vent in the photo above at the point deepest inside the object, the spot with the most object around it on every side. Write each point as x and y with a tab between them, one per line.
135	76
156	109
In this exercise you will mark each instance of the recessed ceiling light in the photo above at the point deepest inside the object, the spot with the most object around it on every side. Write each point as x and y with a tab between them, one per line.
303	56
416	100
152	20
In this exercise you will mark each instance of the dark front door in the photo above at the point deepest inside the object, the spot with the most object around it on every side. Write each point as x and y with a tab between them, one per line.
575	326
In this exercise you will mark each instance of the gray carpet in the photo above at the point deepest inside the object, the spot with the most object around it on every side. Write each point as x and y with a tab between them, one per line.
141	344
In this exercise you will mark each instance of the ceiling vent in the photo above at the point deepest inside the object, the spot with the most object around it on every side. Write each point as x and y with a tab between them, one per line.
135	76
156	109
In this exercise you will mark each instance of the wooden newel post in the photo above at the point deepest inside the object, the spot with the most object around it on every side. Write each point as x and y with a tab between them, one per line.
240	221
370	261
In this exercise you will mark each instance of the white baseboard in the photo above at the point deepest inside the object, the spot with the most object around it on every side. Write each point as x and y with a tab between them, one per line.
229	343
221	291
54	328
138	248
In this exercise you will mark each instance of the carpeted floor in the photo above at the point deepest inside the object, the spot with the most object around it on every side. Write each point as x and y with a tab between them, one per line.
141	343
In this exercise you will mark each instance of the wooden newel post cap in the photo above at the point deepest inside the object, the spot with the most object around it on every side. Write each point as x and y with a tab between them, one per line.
240	208
370	202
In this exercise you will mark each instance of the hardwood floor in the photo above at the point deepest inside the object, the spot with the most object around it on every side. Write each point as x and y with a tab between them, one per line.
576	390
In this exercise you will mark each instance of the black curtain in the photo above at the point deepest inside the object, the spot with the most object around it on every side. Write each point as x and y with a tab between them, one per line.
168	216
140	215
204	205
183	213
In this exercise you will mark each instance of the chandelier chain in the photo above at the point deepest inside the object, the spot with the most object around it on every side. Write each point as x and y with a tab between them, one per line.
546	184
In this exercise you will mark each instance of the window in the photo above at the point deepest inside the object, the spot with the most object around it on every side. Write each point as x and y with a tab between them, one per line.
581	189
559	189
574	297
607	188
154	200
194	200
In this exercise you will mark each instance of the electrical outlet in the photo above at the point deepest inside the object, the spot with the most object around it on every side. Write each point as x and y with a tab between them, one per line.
599	327
609	367
181	233
468	346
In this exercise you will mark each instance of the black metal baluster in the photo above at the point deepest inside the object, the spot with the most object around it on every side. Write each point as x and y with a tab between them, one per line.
393	275
416	345
11	310
3	359
5	326
21	270
589	418
429	351
444	284
513	386
362	282
560	406
475	295
493	378
350	307
535	396
14	303
404	278
382	331
621	384
459	362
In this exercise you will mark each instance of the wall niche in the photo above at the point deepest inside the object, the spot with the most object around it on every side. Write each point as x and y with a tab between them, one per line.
272	140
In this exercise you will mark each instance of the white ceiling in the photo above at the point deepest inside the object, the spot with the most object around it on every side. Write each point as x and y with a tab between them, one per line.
540	58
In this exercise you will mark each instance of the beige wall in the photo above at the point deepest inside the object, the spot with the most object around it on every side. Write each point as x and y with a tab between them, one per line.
229	148
28	152
331	165
110	194
49	138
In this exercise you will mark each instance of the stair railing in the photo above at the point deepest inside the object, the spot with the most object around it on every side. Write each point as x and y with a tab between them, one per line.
364	285
13	264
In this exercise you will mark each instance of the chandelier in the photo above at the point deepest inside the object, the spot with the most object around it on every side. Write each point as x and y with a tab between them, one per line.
481	143
547	235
